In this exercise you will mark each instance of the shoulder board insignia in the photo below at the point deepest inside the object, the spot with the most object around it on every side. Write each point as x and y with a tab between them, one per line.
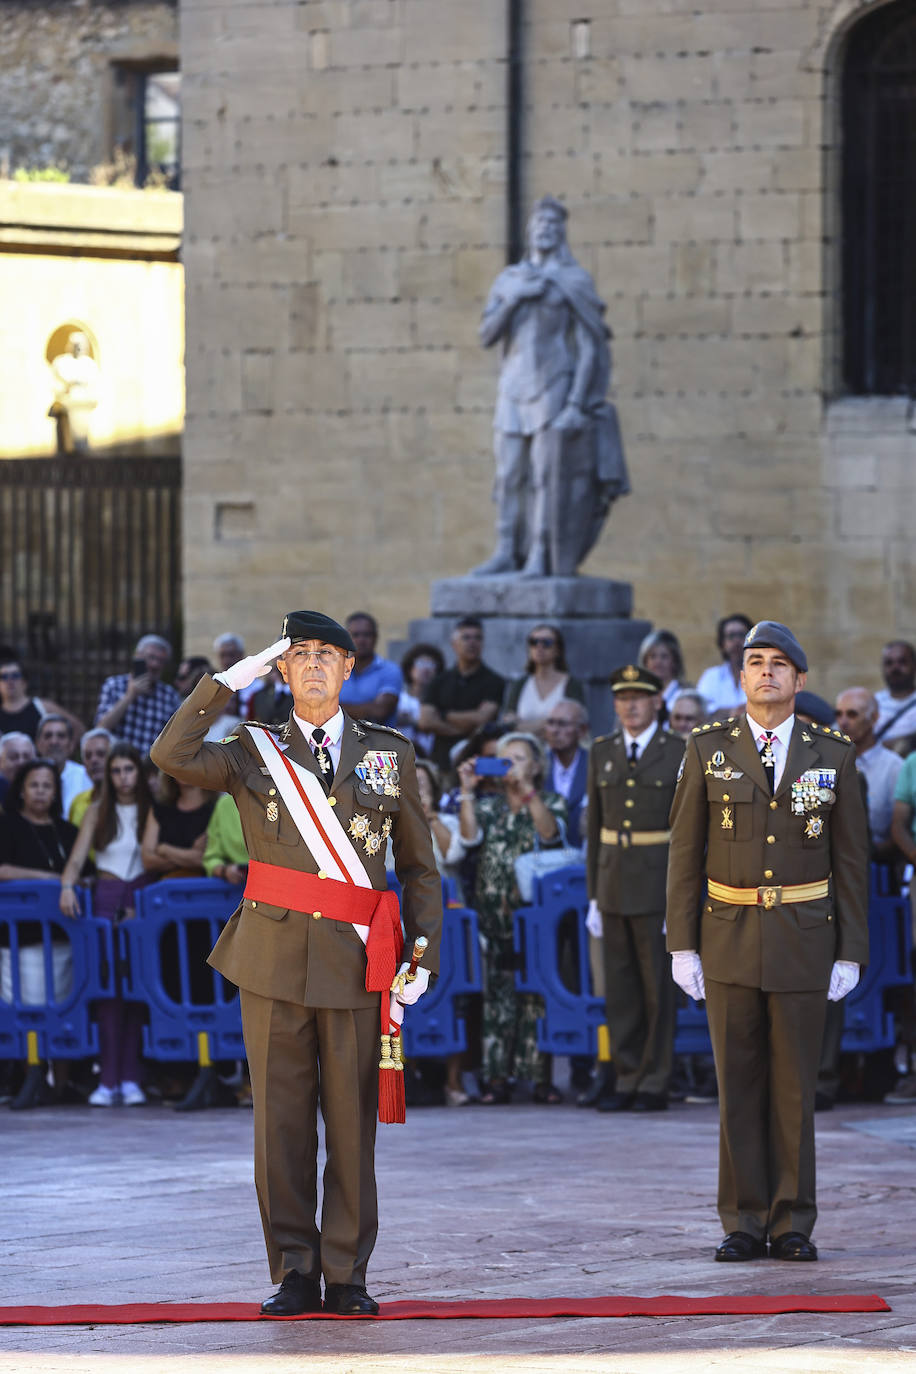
697	729
389	729
227	739
260	725
600	739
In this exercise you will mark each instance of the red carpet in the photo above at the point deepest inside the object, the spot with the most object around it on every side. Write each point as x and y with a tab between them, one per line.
127	1314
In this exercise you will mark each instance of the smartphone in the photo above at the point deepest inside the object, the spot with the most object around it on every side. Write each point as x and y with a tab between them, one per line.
492	768
138	667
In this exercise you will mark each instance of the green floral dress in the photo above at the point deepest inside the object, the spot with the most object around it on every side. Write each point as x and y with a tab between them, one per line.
509	1017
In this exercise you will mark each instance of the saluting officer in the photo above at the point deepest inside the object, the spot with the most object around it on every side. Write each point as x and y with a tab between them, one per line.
631	780
314	943
768	809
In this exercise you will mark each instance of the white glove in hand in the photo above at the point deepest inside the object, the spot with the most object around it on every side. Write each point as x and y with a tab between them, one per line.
687	972
243	673
593	922
412	992
843	978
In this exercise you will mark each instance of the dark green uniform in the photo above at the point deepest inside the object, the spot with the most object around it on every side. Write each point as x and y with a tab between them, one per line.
626	877
767	967
302	979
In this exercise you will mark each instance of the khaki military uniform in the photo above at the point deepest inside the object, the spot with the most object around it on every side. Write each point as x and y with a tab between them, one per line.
302	978
767	967
627	859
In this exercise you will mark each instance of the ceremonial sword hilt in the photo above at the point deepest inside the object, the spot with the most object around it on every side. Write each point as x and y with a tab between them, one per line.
420	946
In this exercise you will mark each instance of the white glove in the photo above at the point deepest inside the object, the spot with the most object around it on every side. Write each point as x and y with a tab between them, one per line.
243	673
687	972
408	993
593	921
843	978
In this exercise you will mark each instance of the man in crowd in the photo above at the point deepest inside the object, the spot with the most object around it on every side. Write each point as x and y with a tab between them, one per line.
55	741
136	705
461	699
371	691
567	761
189	672
769	811
314	943
16	748
687	710
631	780
95	747
721	684
857	716
896	726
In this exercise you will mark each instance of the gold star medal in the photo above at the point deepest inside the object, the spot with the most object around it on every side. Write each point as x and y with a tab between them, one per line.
359	827
814	827
373	843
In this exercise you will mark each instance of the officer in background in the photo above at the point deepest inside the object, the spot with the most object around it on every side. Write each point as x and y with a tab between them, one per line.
769	810
631	780
310	1000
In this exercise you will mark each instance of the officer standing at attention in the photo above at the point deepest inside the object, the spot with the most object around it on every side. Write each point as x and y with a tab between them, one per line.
314	943
631	780
769	810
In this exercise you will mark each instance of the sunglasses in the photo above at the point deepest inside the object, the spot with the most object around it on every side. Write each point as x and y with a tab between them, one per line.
10	674
541	642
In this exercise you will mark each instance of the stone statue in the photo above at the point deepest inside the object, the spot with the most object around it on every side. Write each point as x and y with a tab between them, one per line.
76	392
559	457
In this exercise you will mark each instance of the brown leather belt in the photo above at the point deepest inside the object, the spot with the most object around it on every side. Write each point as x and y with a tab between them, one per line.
625	838
770	895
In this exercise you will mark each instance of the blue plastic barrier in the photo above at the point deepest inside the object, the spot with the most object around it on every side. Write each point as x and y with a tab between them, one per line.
432	1027
172	908
570	1022
62	1029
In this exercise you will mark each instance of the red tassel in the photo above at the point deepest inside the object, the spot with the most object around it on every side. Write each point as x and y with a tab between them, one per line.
392	1104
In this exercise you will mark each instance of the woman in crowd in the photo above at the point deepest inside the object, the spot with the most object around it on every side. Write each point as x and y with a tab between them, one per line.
660	652
419	666
175	836
546	680
114	827
19	711
506	824
35	844
225	855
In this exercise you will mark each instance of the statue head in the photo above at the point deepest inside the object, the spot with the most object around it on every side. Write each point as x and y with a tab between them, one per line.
546	232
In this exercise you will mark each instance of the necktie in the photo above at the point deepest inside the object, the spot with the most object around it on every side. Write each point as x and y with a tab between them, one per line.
321	754
768	759
634	753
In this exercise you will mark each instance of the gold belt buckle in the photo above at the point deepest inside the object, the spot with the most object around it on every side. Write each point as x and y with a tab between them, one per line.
768	897
623	839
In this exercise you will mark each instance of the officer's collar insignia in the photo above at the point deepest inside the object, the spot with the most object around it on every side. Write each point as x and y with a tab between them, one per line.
735	733
806	737
358	731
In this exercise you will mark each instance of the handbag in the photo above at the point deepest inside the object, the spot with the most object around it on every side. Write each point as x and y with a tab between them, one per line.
538	862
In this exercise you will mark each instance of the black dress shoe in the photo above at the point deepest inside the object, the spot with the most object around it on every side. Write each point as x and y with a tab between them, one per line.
650	1102
615	1102
296	1294
349	1300
602	1084
792	1245
740	1245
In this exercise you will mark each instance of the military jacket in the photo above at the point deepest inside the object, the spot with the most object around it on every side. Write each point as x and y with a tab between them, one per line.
726	826
295	956
629	879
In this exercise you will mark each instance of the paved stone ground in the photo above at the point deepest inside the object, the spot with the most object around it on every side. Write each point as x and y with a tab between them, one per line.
143	1204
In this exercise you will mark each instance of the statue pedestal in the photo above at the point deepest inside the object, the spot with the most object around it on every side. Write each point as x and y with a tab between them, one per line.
592	613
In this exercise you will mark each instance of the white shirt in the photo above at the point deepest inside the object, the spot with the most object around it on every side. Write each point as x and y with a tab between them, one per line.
639	740
562	778
333	734
781	736
718	686
73	780
880	768
888	708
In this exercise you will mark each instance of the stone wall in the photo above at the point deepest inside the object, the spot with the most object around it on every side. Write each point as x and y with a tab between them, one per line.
59	99
345	175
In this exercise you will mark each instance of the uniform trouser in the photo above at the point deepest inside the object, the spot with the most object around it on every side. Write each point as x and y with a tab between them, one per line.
766	1046
299	1057
828	1073
639	1000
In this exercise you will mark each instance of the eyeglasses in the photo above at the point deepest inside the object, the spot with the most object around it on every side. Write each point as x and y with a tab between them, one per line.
324	656
562	724
10	674
541	642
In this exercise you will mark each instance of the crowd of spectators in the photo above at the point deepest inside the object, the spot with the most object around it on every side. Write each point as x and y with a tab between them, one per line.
502	769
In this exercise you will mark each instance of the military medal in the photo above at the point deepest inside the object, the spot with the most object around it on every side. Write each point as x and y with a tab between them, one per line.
378	769
718	759
359	827
324	763
814	827
373	843
386	828
273	811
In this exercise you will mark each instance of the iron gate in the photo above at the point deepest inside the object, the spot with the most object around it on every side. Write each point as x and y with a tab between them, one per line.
90	559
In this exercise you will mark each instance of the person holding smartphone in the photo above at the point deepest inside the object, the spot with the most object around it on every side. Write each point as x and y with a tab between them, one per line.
505	824
136	705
